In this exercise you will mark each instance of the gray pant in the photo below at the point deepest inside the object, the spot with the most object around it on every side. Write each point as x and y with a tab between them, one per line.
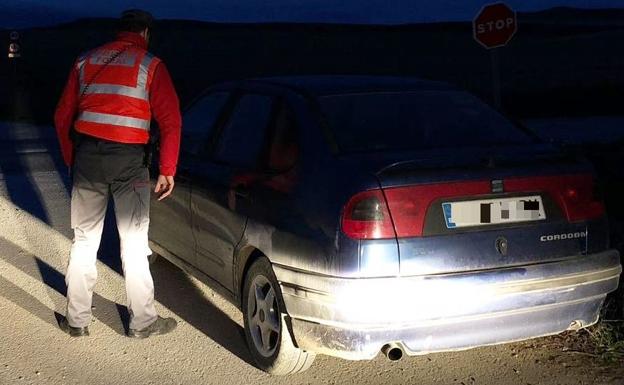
101	169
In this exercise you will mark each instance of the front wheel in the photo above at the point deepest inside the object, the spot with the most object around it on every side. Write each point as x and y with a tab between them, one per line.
266	331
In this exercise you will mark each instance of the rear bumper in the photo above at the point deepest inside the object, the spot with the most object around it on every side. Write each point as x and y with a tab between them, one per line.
355	318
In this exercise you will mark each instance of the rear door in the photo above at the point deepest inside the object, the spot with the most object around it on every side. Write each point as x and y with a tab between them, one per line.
222	181
270	183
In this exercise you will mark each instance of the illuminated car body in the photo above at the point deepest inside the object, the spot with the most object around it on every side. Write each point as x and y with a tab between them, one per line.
361	233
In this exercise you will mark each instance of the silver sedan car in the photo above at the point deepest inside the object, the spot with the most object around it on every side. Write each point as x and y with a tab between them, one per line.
350	216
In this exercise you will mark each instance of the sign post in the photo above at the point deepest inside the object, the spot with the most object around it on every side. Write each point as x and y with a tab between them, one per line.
14	51
14	45
493	27
20	103
496	81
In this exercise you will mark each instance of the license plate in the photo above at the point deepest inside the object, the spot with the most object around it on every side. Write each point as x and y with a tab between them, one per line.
493	211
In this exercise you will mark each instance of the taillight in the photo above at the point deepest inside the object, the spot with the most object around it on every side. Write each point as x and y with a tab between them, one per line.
366	216
409	205
576	194
580	200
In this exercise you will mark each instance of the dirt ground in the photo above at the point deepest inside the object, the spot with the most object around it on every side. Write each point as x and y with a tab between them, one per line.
208	346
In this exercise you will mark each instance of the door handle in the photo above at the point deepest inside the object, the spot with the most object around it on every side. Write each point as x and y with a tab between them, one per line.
241	192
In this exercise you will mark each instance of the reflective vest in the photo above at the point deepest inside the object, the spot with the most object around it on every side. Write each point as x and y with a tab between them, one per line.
114	95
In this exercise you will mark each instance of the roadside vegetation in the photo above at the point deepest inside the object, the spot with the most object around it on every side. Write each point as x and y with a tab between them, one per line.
603	341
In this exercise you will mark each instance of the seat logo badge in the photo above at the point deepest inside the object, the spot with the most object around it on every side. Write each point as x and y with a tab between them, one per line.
501	245
497	186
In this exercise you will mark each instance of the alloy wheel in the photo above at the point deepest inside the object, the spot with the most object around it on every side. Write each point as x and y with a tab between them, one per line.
263	316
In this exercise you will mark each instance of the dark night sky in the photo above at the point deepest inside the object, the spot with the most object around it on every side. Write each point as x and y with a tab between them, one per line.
25	13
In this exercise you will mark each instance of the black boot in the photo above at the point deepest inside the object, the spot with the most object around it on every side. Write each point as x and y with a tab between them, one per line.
160	326
72	331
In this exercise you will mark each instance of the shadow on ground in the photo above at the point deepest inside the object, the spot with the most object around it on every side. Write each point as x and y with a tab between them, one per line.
104	310
174	290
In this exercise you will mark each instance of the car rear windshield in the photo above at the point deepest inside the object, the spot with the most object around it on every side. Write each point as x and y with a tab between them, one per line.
415	120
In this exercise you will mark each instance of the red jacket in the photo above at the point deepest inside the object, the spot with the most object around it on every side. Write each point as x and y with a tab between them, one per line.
163	102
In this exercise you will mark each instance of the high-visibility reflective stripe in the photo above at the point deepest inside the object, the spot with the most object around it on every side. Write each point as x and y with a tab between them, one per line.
81	72
113	89
144	70
80	63
116	120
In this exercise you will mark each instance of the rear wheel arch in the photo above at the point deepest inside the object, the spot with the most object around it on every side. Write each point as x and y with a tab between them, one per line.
245	258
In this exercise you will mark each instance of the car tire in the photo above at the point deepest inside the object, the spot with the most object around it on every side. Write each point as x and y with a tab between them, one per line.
266	328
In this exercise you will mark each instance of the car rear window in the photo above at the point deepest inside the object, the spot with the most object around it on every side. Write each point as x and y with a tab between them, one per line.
415	120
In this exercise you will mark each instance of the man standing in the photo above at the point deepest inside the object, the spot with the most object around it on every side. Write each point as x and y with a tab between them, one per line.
111	95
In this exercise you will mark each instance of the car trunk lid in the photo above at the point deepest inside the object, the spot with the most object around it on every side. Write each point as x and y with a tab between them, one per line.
426	195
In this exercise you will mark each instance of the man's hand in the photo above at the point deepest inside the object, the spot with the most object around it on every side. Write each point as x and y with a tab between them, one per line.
164	186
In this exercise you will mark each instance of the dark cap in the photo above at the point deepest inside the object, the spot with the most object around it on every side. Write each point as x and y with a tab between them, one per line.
135	20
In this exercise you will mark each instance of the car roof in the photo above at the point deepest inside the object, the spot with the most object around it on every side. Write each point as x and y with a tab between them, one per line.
322	85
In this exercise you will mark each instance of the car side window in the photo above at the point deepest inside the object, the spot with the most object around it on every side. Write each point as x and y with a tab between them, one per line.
283	147
200	119
243	136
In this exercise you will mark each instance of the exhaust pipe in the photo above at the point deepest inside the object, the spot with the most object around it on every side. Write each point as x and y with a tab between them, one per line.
392	351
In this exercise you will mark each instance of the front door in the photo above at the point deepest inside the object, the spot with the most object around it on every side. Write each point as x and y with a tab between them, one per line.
170	221
172	218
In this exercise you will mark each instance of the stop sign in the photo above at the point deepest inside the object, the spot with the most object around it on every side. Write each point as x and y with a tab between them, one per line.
494	25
